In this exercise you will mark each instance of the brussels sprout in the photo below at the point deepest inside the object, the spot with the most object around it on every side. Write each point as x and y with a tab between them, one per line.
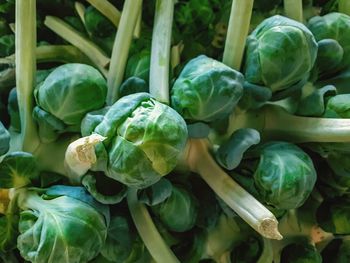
138	65
280	52
333	215
61	224
136	129
334	26
330	55
337	251
65	96
7	45
17	169
133	85
206	90
338	107
179	211
4	139
96	24
284	175
300	253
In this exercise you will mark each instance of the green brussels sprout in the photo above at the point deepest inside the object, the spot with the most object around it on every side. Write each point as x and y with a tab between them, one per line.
17	169
4	139
300	253
7	45
97	24
330	55
65	96
206	90
138	65
334	26
179	211
333	215
133	85
338	107
280	52
337	251
60	224
284	175
137	129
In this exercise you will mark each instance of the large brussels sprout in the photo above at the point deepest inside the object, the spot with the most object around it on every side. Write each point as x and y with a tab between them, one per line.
138	130
60	224
334	26
206	90
65	96
180	202
280	53
284	175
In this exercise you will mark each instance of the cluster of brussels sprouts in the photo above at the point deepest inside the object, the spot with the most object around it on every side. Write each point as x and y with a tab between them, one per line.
125	138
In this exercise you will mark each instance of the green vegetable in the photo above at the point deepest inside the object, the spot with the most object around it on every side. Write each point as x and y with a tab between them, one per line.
4	139
65	96
300	253
60	219
180	202
206	90
280	52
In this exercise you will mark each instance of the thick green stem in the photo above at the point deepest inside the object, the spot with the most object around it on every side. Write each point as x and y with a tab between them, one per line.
243	203
160	53
344	6
131	11
25	70
294	9
107	9
53	53
68	33
237	32
274	123
154	242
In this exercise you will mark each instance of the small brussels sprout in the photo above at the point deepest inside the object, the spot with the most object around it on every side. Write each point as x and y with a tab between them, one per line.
4	139
280	52
338	107
334	26
7	45
135	129
330	55
17	169
61	223
179	211
284	175
138	65
206	90
97	24
300	253
333	215
65	96
133	85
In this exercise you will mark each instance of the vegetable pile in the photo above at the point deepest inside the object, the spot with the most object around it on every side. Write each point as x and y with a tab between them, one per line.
168	131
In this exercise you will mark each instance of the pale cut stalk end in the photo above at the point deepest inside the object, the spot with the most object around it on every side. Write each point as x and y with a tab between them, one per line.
269	228
80	155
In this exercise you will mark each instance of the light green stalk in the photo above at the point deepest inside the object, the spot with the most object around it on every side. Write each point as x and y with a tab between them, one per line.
131	11
25	70
274	123
294	9
237	32
154	242
243	203
68	33
107	9
53	53
160	53
80	9
344	6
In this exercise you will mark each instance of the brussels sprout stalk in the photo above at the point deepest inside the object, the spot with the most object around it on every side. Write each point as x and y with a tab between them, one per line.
160	54
107	9
148	231
75	38
244	204
344	7
274	123
237	32
26	67
131	11
294	9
